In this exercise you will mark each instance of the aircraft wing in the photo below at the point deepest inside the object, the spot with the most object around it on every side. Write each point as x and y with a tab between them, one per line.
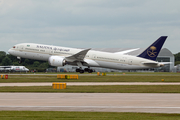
78	56
126	51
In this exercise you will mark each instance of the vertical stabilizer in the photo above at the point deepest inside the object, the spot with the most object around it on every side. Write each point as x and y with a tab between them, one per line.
153	50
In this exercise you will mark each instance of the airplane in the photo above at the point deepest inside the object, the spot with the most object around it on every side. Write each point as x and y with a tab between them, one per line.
60	56
14	68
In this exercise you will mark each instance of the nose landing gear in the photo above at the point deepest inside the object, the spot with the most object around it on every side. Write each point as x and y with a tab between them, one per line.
19	60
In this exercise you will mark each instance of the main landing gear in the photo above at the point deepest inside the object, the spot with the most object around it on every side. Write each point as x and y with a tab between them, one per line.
80	70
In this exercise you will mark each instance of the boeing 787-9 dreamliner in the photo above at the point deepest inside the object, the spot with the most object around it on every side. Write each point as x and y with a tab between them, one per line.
60	56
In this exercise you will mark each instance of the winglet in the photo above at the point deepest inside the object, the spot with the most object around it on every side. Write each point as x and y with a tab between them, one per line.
153	50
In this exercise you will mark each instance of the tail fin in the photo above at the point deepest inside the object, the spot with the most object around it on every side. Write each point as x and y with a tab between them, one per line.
153	50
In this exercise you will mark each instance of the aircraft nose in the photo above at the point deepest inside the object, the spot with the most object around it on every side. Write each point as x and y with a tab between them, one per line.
10	51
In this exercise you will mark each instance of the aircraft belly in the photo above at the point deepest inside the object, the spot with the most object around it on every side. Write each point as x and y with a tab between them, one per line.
37	56
120	66
31	55
91	63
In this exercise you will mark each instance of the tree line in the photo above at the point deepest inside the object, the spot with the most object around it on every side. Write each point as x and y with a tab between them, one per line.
177	58
7	59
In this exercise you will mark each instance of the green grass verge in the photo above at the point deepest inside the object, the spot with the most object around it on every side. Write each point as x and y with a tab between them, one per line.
55	115
98	89
159	73
113	78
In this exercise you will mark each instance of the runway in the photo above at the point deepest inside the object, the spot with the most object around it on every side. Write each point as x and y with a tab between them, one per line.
99	102
91	83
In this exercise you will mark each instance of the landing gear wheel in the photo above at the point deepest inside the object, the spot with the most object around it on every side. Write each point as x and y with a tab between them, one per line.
81	71
77	70
19	60
90	71
86	69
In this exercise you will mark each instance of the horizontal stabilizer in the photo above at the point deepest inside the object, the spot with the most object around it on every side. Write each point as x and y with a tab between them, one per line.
165	63
126	51
151	64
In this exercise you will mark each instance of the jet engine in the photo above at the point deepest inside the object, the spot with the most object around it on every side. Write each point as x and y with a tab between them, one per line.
57	61
91	63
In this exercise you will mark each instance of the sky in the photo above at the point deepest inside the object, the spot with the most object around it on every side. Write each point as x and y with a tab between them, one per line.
90	23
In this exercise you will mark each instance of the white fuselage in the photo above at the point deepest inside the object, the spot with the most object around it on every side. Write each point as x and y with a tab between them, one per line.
14	68
95	58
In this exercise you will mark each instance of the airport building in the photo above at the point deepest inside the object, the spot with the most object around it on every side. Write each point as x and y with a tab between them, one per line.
165	55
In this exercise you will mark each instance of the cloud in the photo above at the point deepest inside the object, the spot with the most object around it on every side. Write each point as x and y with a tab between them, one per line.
89	23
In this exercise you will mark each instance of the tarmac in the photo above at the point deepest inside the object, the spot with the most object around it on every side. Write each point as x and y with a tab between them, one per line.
93	102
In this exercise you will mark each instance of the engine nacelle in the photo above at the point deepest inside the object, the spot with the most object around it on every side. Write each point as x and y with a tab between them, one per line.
56	61
91	63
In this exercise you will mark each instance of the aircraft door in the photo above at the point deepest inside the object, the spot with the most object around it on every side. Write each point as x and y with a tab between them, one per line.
94	57
21	47
130	62
50	52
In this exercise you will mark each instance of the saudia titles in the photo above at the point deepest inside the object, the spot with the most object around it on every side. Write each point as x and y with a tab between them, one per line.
51	48
152	51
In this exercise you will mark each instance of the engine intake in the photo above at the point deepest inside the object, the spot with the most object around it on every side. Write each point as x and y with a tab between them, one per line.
57	61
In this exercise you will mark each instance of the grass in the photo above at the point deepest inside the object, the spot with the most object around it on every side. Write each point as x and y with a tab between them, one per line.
56	115
113	78
128	77
119	73
170	77
98	89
